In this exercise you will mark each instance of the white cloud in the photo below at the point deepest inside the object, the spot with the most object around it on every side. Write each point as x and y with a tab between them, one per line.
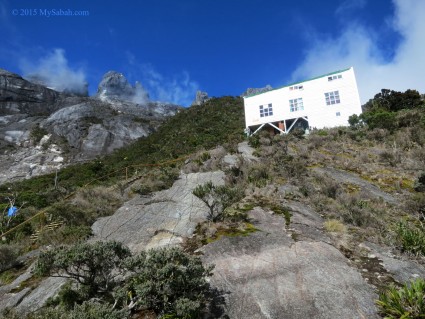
177	88
358	46
53	70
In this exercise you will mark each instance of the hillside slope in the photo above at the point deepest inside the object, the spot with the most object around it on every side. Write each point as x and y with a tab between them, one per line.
311	226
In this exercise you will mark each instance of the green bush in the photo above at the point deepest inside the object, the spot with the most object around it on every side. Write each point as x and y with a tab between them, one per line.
8	255
411	238
259	175
420	183
394	101
64	235
167	281
380	119
354	121
37	133
407	302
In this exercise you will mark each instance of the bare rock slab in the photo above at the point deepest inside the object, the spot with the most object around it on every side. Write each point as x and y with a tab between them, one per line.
269	275
37	298
400	268
163	219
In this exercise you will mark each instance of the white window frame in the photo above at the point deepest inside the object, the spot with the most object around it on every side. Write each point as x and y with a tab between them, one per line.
332	98
266	111
335	77
296	105
296	87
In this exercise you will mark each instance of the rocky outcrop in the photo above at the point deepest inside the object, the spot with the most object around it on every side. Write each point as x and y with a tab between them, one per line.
82	89
19	96
24	297
288	268
93	128
200	98
115	86
163	219
346	177
254	91
247	152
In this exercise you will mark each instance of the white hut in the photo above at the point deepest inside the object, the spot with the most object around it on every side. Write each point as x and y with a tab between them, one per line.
324	101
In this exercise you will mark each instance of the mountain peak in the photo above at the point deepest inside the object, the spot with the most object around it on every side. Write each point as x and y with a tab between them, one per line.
115	86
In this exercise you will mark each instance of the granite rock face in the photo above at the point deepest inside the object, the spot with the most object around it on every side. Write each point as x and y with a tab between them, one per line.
42	130
254	91
200	98
115	86
273	273
19	96
163	219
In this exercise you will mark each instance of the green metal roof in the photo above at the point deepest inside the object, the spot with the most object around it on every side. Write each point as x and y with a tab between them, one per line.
298	82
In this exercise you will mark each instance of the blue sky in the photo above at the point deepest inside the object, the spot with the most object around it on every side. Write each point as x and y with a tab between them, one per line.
219	46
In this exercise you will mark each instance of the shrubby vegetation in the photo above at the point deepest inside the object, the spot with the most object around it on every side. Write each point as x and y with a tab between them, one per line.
164	281
217	198
389	110
411	238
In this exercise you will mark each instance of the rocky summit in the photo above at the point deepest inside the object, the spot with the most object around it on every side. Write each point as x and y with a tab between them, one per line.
114	86
42	130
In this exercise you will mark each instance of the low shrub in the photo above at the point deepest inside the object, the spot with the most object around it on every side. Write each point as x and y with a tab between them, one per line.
8	256
168	281
86	310
334	226
259	175
411	238
64	235
420	183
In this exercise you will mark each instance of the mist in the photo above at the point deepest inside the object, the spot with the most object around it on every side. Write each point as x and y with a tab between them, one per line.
177	88
54	72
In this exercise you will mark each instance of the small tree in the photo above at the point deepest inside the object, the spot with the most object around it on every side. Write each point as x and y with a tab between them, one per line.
354	121
92	265
217	198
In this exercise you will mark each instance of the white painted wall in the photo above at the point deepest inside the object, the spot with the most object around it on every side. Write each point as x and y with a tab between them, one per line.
319	114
